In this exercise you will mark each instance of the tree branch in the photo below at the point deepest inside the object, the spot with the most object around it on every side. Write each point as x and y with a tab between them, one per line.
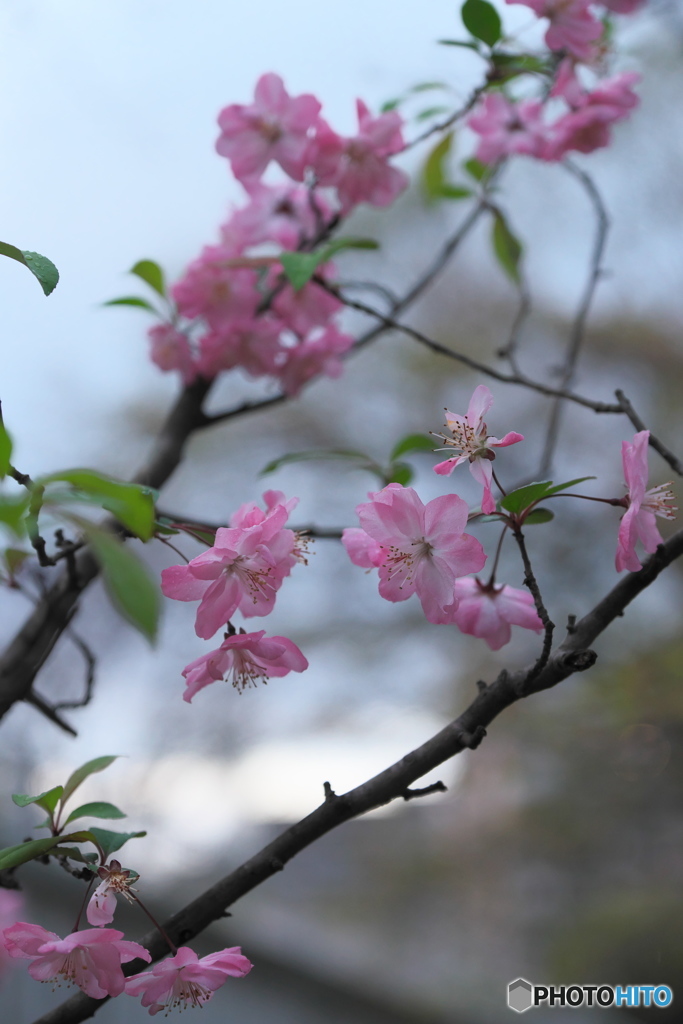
573	655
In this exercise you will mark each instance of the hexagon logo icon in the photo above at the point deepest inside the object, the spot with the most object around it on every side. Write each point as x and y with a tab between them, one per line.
520	995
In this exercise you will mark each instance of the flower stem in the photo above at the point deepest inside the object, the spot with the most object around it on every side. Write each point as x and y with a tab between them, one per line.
171	945
82	907
498	483
492	578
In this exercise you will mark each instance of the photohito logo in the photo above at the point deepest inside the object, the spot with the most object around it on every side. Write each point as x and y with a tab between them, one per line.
522	995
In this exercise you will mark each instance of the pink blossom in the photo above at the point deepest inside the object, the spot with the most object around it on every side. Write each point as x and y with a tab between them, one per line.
638	522
171	351
243	569
362	174
426	547
488	611
280	213
184	980
622	6
90	958
362	549
472	443
587	126
275	127
506	127
307	308
243	659
572	25
215	289
252	344
319	353
114	880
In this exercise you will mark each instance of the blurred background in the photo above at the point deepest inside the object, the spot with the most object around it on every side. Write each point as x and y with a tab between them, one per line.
555	855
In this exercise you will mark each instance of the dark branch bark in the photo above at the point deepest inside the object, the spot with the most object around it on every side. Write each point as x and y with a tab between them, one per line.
573	655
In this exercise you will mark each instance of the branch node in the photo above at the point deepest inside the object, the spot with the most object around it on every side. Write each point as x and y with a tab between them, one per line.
436	787
330	794
471	740
276	864
571	624
482	686
579	661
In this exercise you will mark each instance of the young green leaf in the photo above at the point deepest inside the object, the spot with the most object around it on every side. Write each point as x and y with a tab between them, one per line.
132	504
428	86
433	174
47	800
399	473
98	764
570	483
13	856
482	19
96	809
517	501
428	112
133	593
299	267
5	451
333	453
132	300
475	168
40	266
152	274
14	559
113	841
507	247
466	43
12	512
539	515
412	443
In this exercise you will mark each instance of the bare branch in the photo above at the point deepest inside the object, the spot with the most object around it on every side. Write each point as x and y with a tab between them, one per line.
655	443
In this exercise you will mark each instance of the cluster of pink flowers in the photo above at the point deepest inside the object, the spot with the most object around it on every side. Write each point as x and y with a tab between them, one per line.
220	323
92	958
507	127
242	571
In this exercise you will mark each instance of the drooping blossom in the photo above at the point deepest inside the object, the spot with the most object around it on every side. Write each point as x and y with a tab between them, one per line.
573	27
244	568
115	880
171	351
587	126
184	980
244	659
638	522
472	443
425	548
487	611
90	958
362	172
276	126
506	127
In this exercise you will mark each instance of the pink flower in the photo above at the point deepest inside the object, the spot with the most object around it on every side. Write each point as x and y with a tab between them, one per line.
488	611
426	547
362	549
506	127
275	127
310	307
244	569
243	659
102	904
587	126
362	173
638	522
171	351
184	980
90	958
319	353
572	25
622	6
472	443
252	344
280	213
215	289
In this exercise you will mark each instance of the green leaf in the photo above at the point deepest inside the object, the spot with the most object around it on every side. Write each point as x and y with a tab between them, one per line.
517	501
507	247
334	453
132	504
570	483
433	174
97	809
12	511
299	267
132	300
14	559
133	593
152	274
428	86
5	451
98	764
482	19
467	43
400	473
47	800
113	841
424	115
539	515
40	266
509	65
412	443
476	169
13	856
390	105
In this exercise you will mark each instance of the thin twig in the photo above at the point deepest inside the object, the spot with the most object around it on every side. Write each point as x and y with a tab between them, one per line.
655	443
548	626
